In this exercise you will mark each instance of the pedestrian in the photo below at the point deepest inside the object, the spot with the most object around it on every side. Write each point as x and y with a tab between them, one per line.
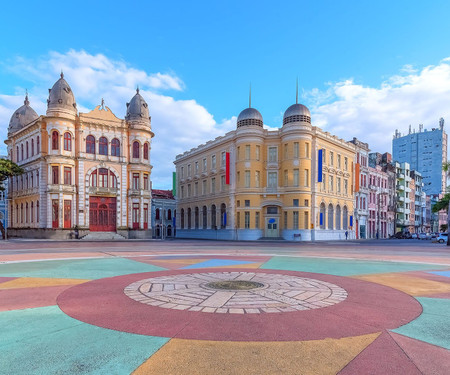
346	234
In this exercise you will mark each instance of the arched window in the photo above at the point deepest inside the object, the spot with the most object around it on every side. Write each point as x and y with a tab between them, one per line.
182	218
55	140
345	217
146	151
103	146
213	217
157	217
28	151
223	215
38	145
322	216
21	149
205	217
67	141
196	217
93	181
189	218
115	147
136	149
113	180
338	217
90	144
330	216
32	147
169	214
103	177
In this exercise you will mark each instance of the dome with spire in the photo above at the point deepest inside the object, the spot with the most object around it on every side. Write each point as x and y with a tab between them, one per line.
137	108
61	97
249	116
22	116
297	113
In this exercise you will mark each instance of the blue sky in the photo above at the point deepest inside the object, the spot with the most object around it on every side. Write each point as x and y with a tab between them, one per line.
364	68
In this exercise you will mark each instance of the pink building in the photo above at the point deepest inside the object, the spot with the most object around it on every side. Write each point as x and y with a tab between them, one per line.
378	203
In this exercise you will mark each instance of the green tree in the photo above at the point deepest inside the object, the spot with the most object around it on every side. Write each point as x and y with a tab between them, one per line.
442	204
8	169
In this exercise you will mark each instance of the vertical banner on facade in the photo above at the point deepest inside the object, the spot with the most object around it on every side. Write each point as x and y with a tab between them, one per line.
227	171
357	177
225	219
174	184
319	166
351	221
321	219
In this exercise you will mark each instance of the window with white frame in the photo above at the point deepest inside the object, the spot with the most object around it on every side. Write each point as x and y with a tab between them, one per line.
273	157
213	185
247	152
257	179
247	179
213	162
258	152
296	177
204	165
295	220
273	180
223	157
296	149
306	177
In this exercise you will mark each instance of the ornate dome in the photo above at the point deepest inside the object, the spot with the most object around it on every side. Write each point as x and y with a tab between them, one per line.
297	113
137	108
22	116
61	97
249	116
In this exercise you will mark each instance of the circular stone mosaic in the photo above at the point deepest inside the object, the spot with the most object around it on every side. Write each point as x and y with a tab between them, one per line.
222	292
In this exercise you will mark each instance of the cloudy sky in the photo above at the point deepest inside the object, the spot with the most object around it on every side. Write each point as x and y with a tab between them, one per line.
363	70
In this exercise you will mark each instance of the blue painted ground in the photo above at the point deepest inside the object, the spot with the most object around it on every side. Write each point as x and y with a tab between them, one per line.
433	326
442	273
46	341
218	263
77	269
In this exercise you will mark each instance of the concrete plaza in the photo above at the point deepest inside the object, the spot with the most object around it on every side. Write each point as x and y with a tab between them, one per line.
206	307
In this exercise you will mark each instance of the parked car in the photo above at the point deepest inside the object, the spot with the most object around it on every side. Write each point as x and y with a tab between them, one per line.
424	236
414	236
442	237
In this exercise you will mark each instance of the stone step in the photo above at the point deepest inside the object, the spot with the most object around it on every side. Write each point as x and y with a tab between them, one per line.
99	236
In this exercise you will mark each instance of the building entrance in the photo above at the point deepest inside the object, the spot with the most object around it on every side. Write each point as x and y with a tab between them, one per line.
102	214
272	227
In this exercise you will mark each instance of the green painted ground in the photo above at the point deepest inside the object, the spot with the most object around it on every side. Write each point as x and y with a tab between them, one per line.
77	269
343	267
46	341
433	326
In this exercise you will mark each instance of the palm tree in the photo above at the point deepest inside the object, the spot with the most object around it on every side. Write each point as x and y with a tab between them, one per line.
446	169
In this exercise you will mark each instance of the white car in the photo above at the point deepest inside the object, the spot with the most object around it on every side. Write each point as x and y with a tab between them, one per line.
442	237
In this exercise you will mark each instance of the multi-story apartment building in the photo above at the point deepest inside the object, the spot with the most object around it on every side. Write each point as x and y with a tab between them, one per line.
294	182
424	151
163	213
361	192
403	191
85	170
419	202
378	203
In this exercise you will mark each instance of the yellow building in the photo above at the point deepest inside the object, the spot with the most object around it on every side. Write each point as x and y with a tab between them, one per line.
255	183
89	171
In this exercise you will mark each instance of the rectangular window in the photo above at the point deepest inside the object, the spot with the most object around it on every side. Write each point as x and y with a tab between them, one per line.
146	187
182	172
285	151
239	153
182	192
222	183
339	161
306	220
196	189
136	184
189	192
345	163
196	167
331	158
67	213
258	152
273	180
296	177
67	176
213	162
247	220
238	178
247	152
285	219
238	220
189	170
286	178
213	185
247	203
295	220
306	177
55	175
247	179
204	165
306	202
273	157
296	149
222	159
331	182
257	220
257	179
338	184
145	215
204	187
306	150
295	202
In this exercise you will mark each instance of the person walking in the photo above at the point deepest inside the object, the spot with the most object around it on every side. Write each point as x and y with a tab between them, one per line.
346	234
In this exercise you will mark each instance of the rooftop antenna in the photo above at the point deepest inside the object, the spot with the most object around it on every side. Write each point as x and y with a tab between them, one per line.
296	93
250	97
26	102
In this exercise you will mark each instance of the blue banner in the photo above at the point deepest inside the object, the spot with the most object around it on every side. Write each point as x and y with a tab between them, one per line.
319	166
225	219
351	220
321	218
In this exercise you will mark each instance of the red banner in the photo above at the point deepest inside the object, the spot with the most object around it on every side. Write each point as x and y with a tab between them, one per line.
357	177
227	171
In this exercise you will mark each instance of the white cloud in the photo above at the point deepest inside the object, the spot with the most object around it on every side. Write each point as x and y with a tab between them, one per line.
178	124
372	114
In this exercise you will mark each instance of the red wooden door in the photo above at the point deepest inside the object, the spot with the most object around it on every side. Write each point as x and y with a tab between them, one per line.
55	213
102	214
67	214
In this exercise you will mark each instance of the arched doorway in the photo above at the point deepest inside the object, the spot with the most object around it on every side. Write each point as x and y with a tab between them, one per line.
223	216
330	216
322	216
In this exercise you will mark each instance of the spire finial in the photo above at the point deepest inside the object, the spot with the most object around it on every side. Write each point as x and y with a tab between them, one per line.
26	101
296	93
137	89
62	74
250	97
103	104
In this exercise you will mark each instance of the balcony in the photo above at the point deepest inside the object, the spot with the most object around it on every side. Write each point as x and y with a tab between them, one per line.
362	212
24	192
271	190
61	188
400	176
373	187
139	193
402	222
401	210
96	190
407	211
400	187
401	199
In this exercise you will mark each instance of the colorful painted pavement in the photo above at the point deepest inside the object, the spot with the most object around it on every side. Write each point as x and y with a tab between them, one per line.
166	313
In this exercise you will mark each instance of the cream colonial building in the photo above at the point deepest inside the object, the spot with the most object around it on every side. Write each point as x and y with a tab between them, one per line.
86	170
295	183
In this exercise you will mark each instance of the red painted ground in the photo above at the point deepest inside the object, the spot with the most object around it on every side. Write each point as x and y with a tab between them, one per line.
382	357
24	298
368	308
5	279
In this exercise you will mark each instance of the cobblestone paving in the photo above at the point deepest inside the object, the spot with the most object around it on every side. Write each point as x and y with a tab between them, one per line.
279	293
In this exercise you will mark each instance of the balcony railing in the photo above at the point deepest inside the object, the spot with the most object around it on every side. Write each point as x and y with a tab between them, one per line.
96	190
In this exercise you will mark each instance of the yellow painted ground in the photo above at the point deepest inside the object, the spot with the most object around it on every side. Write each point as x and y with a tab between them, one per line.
36	282
198	357
414	286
